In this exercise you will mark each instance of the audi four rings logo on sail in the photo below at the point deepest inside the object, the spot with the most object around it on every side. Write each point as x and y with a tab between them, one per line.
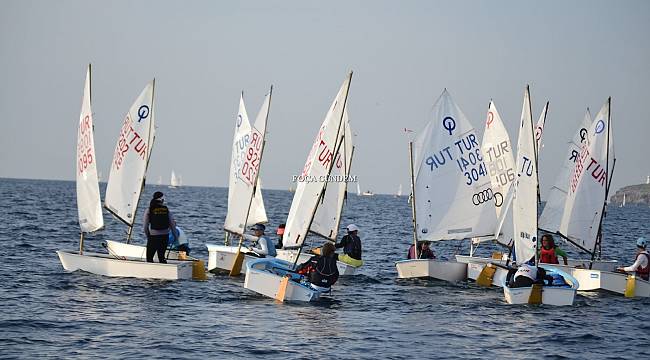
487	195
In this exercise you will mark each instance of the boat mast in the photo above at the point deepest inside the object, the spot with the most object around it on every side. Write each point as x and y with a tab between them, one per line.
599	237
337	146
150	141
539	195
413	218
532	129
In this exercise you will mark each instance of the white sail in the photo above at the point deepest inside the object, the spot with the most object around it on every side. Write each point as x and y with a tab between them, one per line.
88	200
539	128
498	157
399	190
623	204
244	165
317	166
551	216
524	204
132	152
174	180
358	189
328	215
588	183
453	198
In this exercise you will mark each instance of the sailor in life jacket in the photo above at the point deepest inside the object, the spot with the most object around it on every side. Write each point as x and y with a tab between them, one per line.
266	246
351	245
527	275
158	222
321	270
641	264
549	252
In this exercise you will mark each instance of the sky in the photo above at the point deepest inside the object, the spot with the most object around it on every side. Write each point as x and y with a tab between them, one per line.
574	54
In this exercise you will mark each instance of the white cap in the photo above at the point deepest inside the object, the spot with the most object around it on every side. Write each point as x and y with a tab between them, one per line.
352	227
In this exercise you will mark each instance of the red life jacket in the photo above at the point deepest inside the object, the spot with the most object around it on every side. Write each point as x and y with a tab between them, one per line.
548	256
644	273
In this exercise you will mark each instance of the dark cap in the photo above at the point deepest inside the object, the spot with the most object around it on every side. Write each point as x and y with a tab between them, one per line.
258	227
157	195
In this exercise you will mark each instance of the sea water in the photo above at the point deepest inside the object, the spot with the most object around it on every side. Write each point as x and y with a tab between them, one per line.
48	312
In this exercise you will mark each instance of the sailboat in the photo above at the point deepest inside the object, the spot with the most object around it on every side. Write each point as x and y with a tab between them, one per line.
497	152
245	202
267	276
399	191
358	189
327	219
452	199
551	217
174	181
159	182
524	216
623	203
584	210
131	158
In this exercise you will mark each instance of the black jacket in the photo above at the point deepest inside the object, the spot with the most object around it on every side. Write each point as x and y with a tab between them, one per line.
321	270
351	245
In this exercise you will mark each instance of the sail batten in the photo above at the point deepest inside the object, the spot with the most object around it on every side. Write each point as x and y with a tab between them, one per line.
88	198
453	195
131	157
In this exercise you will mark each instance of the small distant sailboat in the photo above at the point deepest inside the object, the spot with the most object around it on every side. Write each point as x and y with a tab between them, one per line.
159	182
358	189
174	181
399	191
623	203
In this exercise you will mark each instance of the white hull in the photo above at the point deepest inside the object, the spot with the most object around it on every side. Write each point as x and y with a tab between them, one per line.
290	256
107	265
431	268
264	276
221	257
551	295
606	265
606	280
135	251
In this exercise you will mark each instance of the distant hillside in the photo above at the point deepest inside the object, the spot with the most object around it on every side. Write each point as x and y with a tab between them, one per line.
634	194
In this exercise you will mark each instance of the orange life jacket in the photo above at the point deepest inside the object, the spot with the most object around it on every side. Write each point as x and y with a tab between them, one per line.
548	256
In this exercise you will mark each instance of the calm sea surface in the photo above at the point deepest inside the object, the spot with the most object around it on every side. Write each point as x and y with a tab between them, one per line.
48	312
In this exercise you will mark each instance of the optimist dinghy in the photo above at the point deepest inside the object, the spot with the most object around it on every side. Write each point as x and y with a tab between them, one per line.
89	202
267	276
327	219
574	210
245	202
451	194
524	211
558	295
